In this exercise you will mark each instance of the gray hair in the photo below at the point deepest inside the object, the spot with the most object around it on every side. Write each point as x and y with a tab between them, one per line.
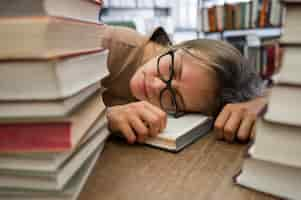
238	80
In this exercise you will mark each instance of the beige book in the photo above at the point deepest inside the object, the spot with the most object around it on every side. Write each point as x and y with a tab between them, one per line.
47	37
290	67
85	10
277	143
291	26
284	105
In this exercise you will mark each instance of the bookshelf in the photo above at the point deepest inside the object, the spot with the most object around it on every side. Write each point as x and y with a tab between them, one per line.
241	22
260	32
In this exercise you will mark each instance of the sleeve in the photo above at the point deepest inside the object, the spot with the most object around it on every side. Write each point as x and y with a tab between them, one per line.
120	41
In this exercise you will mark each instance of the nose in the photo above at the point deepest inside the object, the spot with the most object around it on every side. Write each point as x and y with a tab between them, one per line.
156	85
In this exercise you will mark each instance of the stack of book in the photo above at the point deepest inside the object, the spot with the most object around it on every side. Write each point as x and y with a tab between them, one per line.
241	15
274	162
52	117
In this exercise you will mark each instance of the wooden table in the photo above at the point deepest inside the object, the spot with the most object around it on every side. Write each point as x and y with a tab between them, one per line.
204	170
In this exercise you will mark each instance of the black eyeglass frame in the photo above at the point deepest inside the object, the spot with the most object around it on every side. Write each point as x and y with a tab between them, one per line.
177	113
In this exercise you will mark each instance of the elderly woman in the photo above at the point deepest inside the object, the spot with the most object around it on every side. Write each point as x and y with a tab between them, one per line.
150	77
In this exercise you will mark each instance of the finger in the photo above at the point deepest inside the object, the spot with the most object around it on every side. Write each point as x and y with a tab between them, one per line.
232	125
152	122
140	128
128	132
160	113
220	122
245	129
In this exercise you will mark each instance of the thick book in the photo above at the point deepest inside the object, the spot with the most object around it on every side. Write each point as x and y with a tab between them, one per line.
70	192
85	10
16	110
291	25
53	135
284	105
51	79
290	67
271	178
50	162
47	37
277	143
181	132
50	180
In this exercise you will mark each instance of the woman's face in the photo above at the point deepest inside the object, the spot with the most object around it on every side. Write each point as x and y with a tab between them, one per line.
195	85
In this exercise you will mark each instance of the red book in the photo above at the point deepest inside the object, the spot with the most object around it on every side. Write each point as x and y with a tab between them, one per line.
270	61
52	135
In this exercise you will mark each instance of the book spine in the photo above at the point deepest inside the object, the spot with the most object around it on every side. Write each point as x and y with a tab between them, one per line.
35	137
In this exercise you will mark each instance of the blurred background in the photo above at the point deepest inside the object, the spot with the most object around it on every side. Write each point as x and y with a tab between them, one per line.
253	26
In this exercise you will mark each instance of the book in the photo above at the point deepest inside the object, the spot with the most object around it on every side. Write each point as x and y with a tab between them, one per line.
263	13
10	110
51	79
271	178
254	14
50	180
291	25
290	70
181	131
50	162
47	37
277	143
212	18
70	192
284	105
53	135
85	10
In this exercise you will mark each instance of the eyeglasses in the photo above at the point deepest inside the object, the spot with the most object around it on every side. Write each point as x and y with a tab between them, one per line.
170	99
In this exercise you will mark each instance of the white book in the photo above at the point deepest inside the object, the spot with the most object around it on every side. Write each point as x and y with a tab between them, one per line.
278	180
51	79
51	162
181	131
277	143
275	16
70	192
77	9
254	19
10	110
54	181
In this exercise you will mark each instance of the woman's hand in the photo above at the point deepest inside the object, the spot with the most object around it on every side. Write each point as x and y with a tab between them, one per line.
137	121
237	120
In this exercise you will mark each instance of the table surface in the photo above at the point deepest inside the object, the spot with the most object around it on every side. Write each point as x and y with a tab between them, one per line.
204	170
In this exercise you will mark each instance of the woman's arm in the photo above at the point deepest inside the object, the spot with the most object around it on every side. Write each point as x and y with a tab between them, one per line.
237	120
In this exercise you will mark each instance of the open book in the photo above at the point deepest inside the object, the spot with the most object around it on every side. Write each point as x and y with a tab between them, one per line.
182	131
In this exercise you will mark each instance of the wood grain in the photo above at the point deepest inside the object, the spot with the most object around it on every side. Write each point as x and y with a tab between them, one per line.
204	170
